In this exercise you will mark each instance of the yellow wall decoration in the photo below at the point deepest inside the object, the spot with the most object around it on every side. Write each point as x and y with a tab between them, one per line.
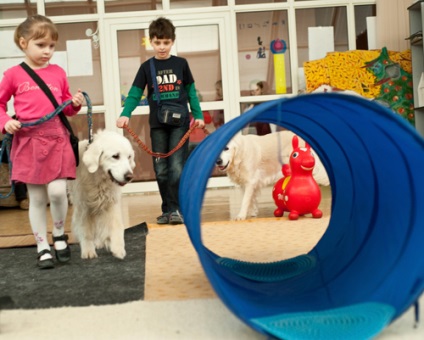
347	71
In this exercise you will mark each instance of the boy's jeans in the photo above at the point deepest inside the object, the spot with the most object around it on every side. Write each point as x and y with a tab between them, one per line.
168	170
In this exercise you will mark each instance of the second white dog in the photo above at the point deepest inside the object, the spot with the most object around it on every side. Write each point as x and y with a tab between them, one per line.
105	166
253	162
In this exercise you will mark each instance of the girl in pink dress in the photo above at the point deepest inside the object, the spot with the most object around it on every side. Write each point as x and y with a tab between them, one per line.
41	155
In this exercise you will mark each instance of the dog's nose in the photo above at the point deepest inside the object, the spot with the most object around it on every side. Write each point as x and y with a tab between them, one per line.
129	177
219	161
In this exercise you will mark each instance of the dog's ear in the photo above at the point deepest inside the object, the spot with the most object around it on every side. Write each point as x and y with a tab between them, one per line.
132	154
91	157
236	152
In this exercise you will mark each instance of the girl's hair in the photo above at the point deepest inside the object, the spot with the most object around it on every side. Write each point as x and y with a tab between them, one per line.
162	28
36	27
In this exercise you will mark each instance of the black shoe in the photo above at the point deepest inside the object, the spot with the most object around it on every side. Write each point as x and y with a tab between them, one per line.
176	218
47	263
163	219
63	255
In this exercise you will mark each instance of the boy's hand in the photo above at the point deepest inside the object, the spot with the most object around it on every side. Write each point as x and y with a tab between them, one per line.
200	123
77	99
12	126
122	122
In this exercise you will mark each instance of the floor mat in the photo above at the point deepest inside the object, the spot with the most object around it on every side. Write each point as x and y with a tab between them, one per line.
105	280
173	269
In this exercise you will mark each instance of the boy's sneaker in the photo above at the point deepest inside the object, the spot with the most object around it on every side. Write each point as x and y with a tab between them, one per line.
163	219
176	218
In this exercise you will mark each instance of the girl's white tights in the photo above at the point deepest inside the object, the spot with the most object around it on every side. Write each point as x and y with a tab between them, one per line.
39	196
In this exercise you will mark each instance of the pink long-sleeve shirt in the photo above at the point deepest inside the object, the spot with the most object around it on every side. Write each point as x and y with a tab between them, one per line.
40	153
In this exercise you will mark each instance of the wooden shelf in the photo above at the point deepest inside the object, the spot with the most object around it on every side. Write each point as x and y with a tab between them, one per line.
416	38
415	6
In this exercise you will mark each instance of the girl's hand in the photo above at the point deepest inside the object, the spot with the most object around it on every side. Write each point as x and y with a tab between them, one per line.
200	123
122	122
12	126
77	99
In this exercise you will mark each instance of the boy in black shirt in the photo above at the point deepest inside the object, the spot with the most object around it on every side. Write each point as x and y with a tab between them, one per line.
175	84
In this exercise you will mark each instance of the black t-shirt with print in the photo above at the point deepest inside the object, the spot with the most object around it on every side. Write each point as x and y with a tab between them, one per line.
172	75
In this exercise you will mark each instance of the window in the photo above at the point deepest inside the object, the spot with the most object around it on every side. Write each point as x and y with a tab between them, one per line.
320	30
73	43
132	5
11	9
361	15
263	45
73	39
248	2
60	7
175	4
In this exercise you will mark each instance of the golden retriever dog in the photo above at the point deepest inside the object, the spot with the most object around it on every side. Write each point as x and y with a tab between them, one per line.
253	162
105	166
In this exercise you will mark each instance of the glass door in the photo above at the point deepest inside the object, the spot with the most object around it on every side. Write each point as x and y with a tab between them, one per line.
200	41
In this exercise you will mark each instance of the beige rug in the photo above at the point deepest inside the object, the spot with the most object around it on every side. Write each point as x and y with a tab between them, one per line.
173	269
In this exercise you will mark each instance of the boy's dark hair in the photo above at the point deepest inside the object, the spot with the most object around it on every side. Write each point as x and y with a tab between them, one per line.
162	28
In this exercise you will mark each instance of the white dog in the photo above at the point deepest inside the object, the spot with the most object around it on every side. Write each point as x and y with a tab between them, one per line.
253	162
105	166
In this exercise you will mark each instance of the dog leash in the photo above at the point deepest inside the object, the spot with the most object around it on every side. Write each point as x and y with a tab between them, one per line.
89	116
160	154
6	144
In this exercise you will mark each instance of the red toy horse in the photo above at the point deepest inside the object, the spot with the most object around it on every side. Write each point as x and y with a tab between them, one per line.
298	192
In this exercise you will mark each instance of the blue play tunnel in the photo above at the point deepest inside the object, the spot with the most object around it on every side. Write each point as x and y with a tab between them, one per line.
367	269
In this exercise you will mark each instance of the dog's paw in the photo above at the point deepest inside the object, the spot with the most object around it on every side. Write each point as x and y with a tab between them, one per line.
240	218
88	254
120	254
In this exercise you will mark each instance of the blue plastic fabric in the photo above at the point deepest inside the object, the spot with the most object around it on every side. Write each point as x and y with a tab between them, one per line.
356	322
371	250
271	271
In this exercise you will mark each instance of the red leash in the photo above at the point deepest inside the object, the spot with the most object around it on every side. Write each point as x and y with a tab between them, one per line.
159	154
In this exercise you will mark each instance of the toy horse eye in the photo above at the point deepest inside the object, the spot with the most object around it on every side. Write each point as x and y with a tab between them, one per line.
295	154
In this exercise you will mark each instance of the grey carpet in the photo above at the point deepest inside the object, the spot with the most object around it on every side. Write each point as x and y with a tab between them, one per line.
105	280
